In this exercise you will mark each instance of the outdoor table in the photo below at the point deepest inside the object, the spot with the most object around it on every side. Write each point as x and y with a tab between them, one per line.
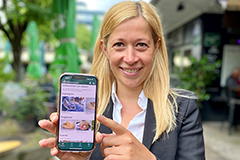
7	146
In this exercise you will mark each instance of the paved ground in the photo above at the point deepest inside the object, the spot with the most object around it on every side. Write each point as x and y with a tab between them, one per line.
219	144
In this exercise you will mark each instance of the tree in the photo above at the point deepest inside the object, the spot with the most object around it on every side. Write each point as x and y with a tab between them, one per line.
18	14
83	37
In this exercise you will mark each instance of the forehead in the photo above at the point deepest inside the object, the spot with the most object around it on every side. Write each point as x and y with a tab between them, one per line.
137	26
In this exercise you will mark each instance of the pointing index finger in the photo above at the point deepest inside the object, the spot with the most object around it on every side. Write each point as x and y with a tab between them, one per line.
116	127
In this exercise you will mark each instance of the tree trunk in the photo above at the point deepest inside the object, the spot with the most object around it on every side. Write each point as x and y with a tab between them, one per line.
17	64
17	52
17	31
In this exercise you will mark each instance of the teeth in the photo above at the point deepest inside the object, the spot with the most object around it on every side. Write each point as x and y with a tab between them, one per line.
130	70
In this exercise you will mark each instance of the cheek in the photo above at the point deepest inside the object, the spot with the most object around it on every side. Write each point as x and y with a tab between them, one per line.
148	60
114	59
112	63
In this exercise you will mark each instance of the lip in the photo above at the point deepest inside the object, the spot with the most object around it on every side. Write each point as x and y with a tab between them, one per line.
130	71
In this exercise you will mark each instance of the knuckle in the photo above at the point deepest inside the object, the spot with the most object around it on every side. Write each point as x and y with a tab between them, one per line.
129	140
130	152
129	149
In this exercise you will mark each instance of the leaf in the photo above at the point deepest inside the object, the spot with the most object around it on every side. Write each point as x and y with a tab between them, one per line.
199	75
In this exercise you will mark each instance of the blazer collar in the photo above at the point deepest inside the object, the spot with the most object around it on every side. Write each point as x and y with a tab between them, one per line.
149	126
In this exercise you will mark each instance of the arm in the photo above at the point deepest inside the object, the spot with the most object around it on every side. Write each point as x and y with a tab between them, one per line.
236	89
191	143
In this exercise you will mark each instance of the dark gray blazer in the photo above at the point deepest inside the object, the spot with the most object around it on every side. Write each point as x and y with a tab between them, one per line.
184	143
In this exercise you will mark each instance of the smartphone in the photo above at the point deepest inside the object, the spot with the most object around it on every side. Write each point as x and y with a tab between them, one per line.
77	112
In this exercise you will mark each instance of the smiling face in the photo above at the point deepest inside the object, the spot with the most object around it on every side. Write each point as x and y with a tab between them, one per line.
130	50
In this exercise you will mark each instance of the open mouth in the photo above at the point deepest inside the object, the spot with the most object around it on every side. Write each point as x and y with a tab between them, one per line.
131	70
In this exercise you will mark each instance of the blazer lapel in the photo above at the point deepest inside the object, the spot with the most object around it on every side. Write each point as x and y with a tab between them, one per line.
149	126
103	129
107	113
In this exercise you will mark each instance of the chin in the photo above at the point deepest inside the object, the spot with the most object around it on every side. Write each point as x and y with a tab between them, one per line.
132	84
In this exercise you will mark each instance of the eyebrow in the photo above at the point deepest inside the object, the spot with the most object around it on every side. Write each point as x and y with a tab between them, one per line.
136	40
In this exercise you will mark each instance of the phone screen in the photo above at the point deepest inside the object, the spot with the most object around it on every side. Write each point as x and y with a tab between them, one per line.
77	112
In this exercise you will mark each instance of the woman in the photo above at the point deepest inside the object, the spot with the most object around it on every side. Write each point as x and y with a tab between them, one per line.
143	117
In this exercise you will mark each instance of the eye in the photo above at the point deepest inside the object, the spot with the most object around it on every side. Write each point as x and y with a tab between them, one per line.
119	44
142	46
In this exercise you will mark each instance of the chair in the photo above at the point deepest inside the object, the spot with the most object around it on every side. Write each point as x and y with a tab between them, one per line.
224	98
232	103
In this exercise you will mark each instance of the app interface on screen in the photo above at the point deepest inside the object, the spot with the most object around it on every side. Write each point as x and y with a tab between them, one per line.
77	112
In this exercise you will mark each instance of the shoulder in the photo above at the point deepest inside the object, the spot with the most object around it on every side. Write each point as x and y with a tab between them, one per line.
186	102
182	95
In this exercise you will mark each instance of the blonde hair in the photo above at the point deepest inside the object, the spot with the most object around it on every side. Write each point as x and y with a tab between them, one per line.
156	86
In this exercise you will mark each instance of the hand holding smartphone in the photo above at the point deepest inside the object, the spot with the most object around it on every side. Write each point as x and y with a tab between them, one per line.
77	112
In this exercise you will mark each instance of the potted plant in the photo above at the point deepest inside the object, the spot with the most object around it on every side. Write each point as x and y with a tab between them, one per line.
198	76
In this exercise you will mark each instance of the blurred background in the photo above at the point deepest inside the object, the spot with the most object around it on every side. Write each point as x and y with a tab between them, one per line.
41	39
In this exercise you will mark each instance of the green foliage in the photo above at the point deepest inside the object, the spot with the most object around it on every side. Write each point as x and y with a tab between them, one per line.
198	76
30	106
83	37
45	33
4	77
27	10
18	14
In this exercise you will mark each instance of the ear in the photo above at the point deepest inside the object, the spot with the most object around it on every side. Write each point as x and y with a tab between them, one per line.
104	48
157	46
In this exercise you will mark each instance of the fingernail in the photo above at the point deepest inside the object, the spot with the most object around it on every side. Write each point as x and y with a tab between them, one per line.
54	119
99	117
54	152
39	122
40	142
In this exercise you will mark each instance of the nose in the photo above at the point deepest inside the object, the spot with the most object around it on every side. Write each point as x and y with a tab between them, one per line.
130	56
